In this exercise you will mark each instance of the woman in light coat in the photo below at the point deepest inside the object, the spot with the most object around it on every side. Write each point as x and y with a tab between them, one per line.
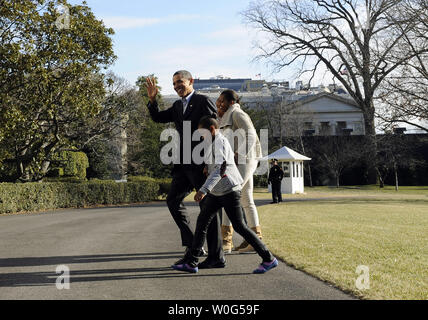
237	126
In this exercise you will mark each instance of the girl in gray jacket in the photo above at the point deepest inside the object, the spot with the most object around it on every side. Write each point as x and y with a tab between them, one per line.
222	189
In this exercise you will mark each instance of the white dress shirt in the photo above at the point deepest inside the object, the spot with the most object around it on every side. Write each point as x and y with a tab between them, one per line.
186	101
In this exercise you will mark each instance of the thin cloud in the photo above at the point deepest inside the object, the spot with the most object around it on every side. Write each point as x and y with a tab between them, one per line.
203	61
232	33
123	22
129	23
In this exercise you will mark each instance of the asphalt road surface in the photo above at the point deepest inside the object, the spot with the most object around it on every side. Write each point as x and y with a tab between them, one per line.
126	253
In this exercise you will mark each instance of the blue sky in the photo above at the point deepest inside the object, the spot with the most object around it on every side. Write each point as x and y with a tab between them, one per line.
208	38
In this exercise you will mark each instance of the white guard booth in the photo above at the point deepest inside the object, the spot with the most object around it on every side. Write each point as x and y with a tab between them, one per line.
292	164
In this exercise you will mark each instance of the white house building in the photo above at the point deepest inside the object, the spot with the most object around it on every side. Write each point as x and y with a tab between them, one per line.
331	114
330	110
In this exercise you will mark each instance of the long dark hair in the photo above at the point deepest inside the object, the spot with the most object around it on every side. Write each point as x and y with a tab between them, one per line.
230	96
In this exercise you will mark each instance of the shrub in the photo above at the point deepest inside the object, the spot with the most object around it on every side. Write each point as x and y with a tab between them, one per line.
260	181
164	183
18	197
70	164
63	179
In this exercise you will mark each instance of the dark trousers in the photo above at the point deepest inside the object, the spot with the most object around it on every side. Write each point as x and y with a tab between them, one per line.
232	206
183	182
276	191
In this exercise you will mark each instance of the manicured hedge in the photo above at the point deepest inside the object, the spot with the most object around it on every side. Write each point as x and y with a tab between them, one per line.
72	164
164	184
17	197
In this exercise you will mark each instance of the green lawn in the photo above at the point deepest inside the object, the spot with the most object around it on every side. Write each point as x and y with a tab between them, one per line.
371	191
337	230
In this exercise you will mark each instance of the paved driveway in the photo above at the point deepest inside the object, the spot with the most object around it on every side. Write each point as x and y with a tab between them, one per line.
126	253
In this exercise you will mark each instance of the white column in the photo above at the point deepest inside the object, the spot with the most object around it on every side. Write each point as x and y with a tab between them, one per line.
302	189
332	127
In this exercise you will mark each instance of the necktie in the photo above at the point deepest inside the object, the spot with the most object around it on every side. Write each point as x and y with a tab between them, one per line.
184	100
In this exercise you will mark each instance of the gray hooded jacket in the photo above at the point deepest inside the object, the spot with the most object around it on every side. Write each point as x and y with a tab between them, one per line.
223	175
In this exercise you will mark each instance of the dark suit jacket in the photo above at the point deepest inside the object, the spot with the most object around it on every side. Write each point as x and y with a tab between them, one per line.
198	107
276	174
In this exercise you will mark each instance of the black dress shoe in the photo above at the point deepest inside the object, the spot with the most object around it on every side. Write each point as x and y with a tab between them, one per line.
187	253
273	202
181	261
209	264
184	259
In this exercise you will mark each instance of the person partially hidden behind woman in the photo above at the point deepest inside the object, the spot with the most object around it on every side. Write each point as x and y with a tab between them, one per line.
235	122
222	189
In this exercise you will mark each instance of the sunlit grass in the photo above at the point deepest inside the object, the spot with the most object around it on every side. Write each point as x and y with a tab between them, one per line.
328	232
330	238
368	192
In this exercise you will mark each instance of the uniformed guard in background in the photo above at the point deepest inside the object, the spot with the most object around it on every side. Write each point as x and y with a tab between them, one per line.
276	174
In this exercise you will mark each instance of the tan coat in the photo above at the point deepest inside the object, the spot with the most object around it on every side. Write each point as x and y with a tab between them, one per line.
237	126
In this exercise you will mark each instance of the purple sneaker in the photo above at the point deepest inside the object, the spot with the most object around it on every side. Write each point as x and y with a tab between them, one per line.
185	267
266	266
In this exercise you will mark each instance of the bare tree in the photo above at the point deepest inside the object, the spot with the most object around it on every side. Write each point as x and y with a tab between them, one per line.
357	41
394	152
295	119
404	94
337	154
405	101
260	110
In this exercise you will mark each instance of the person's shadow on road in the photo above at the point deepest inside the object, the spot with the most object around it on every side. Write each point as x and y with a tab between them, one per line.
42	278
65	260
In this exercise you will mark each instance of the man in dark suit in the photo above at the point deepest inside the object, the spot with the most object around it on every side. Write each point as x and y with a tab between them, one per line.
187	175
